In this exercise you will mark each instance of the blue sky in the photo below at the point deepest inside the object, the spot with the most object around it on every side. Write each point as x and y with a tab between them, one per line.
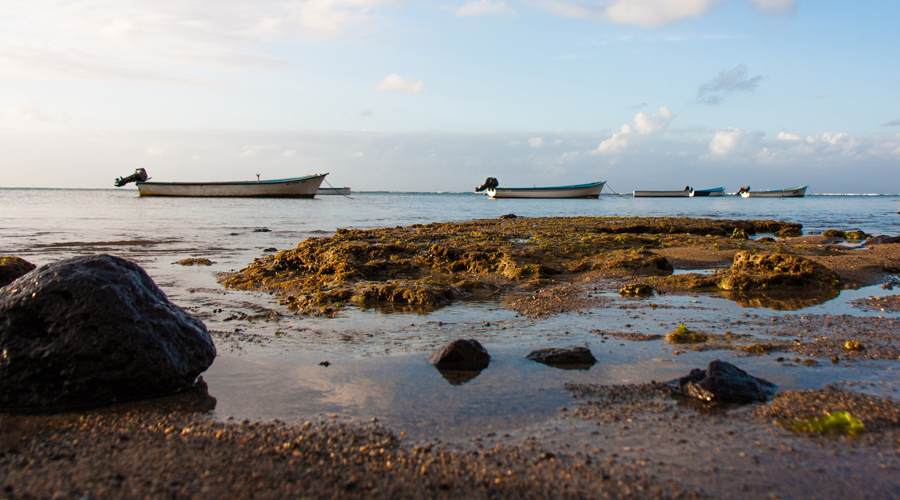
435	96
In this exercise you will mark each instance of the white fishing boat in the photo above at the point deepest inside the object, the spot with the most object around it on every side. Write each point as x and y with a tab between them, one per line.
296	187
344	191
719	191
590	190
684	193
795	192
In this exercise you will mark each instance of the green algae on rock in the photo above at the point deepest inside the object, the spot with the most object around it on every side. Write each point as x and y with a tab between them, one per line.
756	271
432	265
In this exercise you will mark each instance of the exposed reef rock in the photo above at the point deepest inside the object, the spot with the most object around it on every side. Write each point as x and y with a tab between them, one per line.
93	330
723	382
11	268
756	271
636	289
427	266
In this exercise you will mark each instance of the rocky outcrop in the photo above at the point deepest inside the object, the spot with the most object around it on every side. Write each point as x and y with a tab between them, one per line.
461	355
577	357
11	268
94	330
723	382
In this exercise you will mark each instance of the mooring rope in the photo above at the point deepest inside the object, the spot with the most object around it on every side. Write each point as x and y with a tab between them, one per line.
338	191
606	186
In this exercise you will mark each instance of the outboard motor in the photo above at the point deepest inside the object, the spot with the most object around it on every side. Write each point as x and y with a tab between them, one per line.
139	175
489	183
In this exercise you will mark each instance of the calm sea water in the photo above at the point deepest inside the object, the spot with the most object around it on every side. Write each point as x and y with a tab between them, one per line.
270	369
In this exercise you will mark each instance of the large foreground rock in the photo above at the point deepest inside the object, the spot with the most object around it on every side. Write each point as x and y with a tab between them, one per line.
94	330
461	354
723	382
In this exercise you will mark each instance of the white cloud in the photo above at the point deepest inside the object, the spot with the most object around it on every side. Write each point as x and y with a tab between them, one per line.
775	7
253	150
536	142
644	124
787	136
657	122
484	7
290	153
734	141
154	151
643	13
396	83
30	111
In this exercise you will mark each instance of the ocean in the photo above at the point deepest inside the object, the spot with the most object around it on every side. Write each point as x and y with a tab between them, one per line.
269	360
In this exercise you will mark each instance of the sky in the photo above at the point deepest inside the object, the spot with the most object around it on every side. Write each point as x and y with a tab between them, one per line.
407	95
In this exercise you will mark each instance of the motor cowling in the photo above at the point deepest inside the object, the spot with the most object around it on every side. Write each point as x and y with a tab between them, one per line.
139	175
489	183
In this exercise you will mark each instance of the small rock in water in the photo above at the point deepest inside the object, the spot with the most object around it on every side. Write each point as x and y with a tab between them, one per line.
270	249
509	216
94	330
722	382
262	230
461	354
326	364
636	289
11	268
576	357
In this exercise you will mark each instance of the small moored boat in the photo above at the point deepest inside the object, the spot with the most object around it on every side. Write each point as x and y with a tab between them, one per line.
684	193
296	187
345	191
590	190
795	192
719	191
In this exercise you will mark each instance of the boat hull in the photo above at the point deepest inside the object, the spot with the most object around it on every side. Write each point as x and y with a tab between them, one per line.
708	192
345	191
662	194
591	190
298	187
797	192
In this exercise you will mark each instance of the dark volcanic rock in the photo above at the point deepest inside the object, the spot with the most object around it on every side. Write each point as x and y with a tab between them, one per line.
509	216
578	357
93	330
723	382
461	355
13	267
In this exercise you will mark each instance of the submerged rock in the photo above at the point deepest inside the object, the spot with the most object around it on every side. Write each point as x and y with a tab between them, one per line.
94	330
576	357
11	268
460	354
723	382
